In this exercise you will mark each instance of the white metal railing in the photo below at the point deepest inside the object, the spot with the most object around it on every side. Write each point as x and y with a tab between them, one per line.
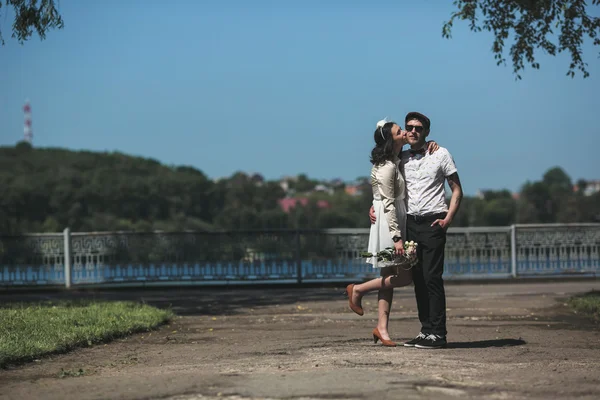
183	258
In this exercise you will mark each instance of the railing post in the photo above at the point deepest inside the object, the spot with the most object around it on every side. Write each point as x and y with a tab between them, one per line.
67	255
298	258
513	250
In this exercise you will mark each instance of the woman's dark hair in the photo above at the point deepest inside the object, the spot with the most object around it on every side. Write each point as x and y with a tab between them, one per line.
384	144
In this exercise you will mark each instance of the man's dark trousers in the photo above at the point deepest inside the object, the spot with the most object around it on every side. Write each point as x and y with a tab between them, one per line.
427	274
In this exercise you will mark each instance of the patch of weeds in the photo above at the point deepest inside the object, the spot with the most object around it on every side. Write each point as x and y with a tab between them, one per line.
66	373
587	303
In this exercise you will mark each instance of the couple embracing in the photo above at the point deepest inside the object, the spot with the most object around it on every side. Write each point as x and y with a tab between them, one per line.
409	204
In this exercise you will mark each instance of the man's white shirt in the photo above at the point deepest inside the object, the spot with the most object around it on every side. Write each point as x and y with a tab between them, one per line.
425	177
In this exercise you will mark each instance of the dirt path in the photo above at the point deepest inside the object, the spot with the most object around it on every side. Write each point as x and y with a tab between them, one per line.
507	341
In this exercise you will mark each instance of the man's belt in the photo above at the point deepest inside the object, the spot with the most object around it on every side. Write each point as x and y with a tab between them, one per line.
426	218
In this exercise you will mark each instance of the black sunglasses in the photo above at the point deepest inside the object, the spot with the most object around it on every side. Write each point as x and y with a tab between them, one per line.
409	128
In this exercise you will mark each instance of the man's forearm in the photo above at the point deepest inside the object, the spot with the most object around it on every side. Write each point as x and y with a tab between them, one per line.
457	194
454	204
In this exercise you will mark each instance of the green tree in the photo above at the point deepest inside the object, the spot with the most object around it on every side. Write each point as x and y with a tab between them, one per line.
23	147
553	199
558	181
466	210
241	217
303	184
493	208
500	212
552	26
591	208
562	197
31	15
535	204
334	219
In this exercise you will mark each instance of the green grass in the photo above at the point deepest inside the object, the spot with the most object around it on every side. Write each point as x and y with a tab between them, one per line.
588	303
28	331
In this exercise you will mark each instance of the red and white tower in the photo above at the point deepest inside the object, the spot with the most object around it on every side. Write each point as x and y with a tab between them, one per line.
27	132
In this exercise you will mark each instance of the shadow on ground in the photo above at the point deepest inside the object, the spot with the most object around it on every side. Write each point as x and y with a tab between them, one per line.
195	301
484	344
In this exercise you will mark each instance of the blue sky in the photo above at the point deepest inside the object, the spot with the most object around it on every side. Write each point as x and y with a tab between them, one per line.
288	87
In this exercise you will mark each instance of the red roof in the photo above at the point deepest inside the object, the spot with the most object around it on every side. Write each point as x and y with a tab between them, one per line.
288	203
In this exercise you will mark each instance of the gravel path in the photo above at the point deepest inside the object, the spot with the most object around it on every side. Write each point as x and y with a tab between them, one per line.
506	341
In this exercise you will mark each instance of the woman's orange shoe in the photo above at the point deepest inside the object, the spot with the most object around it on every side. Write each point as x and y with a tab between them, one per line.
377	336
353	307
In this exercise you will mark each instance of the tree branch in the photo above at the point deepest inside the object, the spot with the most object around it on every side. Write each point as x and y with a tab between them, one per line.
29	16
530	23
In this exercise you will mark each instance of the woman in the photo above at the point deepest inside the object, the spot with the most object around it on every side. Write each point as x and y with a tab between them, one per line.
388	201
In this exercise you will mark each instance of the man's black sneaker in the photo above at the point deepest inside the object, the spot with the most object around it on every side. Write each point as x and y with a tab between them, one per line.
412	343
432	342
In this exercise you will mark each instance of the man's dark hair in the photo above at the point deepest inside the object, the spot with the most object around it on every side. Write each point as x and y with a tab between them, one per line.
418	116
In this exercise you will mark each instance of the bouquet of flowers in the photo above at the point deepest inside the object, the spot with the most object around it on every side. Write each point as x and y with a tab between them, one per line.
390	259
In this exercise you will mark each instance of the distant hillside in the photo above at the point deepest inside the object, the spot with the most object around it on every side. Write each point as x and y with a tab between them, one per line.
46	190
50	189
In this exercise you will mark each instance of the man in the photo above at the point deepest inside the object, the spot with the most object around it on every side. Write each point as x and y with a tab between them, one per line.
428	218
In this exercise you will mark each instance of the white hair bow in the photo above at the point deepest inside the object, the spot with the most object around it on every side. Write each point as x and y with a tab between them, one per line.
380	125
